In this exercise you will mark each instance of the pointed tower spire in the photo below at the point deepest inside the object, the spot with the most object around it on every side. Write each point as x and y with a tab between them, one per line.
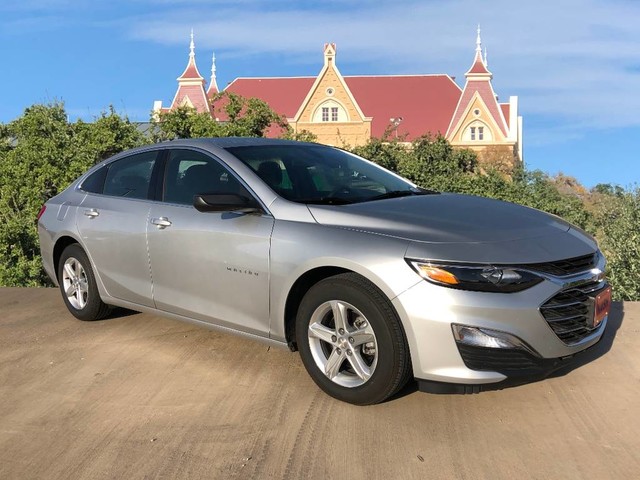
191	85
191	72
213	84
478	105
479	66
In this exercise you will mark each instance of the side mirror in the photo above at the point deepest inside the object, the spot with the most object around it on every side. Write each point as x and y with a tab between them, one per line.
227	202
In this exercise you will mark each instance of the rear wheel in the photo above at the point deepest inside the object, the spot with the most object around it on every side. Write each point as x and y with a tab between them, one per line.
351	341
78	285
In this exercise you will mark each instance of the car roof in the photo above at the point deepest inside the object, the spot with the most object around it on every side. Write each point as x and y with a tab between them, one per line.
228	142
210	144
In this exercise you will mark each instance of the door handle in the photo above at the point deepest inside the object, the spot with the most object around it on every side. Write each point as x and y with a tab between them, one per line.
162	222
91	213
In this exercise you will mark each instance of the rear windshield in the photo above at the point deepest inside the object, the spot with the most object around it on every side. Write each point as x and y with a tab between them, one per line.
319	174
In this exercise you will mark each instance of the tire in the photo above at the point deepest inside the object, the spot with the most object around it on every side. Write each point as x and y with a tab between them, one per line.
78	285
368	360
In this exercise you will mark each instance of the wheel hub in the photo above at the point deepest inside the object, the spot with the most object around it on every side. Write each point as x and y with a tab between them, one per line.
339	335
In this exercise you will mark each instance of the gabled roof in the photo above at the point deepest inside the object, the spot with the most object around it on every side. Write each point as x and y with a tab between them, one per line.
506	110
425	102
486	93
283	94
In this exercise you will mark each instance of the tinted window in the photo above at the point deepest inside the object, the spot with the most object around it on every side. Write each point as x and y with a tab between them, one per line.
95	182
320	174
131	176
190	173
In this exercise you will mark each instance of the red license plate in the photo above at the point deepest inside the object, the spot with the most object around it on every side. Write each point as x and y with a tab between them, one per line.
602	306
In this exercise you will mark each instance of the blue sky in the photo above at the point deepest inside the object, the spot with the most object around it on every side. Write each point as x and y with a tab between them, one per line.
575	64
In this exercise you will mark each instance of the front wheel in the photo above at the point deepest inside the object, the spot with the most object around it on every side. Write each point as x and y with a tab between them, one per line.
351	341
78	285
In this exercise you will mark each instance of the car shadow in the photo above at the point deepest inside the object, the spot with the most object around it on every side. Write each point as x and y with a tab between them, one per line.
614	322
119	312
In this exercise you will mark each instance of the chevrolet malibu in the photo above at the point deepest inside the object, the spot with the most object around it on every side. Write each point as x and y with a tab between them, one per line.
374	280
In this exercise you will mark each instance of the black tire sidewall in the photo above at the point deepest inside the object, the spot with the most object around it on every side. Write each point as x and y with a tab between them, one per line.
379	316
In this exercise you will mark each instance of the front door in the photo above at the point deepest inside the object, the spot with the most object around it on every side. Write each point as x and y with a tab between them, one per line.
208	266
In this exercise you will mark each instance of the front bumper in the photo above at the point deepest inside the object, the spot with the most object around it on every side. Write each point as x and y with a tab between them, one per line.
428	312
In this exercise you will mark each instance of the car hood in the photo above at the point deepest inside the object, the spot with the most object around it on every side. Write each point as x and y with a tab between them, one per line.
461	227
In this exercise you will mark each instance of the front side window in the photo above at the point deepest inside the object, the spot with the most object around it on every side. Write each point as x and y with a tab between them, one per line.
480	133
130	177
334	114
189	173
473	133
317	174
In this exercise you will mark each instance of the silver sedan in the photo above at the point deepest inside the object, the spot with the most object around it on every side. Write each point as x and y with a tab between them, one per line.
372	279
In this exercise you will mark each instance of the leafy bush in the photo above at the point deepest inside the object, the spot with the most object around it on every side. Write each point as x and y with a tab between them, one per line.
41	154
618	222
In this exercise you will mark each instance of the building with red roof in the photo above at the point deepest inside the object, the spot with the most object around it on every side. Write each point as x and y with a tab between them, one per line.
350	110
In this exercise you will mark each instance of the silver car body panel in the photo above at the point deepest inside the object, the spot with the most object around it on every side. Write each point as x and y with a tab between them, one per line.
203	267
211	266
116	240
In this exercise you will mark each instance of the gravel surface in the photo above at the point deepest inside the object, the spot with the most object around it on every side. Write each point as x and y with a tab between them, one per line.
139	396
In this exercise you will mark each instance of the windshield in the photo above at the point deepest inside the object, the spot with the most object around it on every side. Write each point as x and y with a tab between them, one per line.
322	175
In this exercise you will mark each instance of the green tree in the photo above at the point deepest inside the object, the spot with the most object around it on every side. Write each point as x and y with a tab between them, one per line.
40	154
185	122
245	117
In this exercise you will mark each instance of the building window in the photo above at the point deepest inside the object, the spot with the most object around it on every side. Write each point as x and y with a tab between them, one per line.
473	133
330	111
480	133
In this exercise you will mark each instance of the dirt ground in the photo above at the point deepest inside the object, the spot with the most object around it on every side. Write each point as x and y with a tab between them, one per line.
138	396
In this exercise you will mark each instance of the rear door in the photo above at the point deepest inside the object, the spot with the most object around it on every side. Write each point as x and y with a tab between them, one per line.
112	221
209	266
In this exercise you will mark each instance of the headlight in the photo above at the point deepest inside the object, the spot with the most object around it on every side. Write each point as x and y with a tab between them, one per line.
480	278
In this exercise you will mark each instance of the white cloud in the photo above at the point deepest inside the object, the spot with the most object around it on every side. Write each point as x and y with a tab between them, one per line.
576	61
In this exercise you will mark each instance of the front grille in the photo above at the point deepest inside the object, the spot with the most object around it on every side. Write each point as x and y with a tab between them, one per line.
569	266
569	313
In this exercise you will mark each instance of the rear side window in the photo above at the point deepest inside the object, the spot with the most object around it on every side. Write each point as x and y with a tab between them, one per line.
95	182
131	176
